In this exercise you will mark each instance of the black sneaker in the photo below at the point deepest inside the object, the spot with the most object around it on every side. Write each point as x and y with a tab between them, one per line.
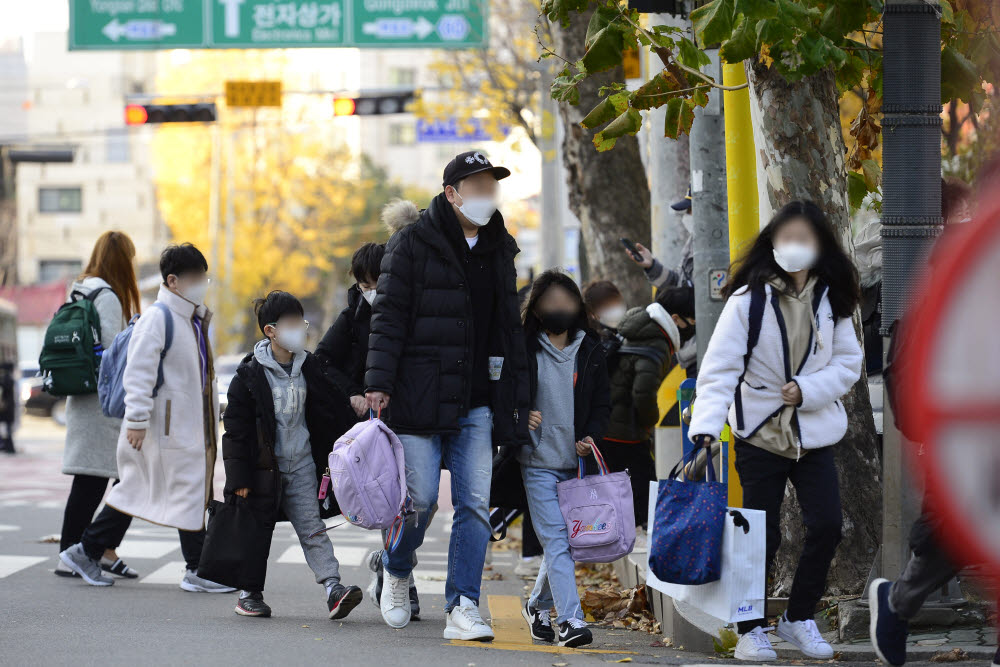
342	600
253	605
574	633
118	568
538	623
996	658
414	602
888	631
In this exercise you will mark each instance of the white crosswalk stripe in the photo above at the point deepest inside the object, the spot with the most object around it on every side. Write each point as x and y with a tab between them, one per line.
11	564
171	573
146	548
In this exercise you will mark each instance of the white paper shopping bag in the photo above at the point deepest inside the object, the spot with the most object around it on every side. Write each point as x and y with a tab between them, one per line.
739	594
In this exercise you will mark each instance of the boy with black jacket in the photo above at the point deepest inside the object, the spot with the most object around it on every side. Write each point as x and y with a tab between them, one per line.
344	347
282	420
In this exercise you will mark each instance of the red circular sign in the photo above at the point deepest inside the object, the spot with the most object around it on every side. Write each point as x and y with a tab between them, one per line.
950	385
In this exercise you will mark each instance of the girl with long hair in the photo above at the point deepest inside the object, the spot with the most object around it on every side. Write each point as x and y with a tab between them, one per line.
91	438
570	406
782	356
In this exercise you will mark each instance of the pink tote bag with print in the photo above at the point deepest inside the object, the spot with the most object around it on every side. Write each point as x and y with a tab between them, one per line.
600	521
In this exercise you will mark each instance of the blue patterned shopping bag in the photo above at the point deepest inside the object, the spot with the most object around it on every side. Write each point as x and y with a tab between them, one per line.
686	542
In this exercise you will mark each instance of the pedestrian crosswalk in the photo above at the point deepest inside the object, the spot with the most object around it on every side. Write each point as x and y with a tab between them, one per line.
155	552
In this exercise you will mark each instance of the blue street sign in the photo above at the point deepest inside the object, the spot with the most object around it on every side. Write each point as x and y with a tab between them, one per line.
439	131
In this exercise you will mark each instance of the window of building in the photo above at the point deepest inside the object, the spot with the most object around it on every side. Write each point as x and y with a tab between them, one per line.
51	270
402	134
402	76
60	200
116	146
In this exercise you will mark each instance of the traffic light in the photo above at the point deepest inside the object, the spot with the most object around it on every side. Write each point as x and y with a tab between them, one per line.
372	105
145	114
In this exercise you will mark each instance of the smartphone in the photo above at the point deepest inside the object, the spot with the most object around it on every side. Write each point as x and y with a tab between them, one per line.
631	249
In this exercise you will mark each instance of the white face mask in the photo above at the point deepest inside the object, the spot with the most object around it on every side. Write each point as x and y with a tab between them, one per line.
478	210
369	295
292	339
612	317
794	256
195	293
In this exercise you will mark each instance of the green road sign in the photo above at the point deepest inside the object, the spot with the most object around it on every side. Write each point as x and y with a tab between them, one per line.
260	24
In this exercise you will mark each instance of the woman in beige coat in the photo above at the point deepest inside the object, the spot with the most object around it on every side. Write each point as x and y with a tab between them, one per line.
91	438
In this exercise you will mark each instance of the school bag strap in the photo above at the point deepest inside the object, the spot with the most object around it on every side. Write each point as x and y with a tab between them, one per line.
76	294
757	303
644	351
168	339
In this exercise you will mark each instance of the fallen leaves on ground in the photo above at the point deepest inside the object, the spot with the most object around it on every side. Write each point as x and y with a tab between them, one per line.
492	576
725	644
626	610
954	655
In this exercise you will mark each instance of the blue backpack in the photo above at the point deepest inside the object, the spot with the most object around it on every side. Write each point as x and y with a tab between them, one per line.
110	389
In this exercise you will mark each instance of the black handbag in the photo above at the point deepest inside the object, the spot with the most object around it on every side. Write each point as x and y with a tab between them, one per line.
236	545
507	487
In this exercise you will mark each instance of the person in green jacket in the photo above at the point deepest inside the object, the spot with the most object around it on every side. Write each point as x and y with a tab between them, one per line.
652	335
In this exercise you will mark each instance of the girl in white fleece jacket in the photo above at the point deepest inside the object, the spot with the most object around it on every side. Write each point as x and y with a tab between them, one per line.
795	292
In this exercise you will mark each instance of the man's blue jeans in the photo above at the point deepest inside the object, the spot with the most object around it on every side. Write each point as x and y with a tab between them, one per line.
556	582
468	455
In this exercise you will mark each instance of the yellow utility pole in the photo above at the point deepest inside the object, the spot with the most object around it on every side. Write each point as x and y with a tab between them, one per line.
741	182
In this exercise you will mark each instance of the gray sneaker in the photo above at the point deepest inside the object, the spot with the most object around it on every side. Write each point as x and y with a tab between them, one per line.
195	584
76	559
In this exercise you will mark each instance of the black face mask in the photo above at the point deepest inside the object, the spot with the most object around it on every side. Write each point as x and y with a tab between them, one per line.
557	321
687	333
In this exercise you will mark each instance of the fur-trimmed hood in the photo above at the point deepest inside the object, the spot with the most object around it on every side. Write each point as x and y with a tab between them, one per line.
398	214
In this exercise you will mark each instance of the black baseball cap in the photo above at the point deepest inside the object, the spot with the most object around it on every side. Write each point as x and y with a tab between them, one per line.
683	204
469	163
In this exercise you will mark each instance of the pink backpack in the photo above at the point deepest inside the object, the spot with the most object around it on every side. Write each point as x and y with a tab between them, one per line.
369	479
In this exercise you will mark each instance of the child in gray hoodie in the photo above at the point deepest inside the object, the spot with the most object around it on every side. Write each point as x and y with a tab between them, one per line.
283	417
570	407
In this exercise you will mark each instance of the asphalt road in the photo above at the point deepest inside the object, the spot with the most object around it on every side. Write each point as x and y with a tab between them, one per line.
49	620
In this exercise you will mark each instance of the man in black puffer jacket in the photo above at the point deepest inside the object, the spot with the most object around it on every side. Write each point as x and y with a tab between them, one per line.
447	348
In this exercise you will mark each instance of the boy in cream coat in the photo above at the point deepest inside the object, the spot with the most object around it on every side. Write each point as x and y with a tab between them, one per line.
167	445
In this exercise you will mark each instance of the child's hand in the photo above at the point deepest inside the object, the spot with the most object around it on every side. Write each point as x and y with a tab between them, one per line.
534	420
242	493
360	405
791	394
135	437
585	447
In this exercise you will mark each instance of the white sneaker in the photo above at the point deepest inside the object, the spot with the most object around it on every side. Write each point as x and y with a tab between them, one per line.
528	567
395	603
805	635
464	622
756	646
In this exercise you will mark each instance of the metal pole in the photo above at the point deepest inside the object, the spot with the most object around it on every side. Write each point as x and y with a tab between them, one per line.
911	216
709	210
668	171
215	177
552	236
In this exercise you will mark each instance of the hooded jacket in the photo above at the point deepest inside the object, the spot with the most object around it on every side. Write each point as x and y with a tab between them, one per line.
422	345
828	370
251	431
344	346
637	378
291	442
591	397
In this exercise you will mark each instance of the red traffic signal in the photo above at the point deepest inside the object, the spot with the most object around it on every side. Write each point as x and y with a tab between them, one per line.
145	114
372	105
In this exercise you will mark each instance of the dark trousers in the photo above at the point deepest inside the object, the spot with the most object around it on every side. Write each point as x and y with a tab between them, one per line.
763	476
637	458
84	498
530	546
928	569
110	526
